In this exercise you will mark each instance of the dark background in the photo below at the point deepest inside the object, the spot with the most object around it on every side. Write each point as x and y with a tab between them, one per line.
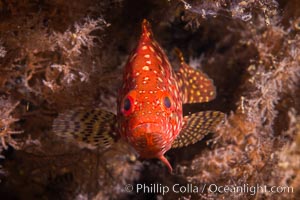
60	55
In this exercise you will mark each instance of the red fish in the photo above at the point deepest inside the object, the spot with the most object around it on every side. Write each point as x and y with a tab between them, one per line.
149	115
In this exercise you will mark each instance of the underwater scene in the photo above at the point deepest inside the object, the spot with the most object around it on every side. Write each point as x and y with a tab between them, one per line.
149	99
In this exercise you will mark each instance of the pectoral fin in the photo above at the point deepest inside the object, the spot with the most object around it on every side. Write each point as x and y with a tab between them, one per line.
196	126
91	128
195	85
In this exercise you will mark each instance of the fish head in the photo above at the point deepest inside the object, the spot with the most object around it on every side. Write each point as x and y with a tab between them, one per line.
148	120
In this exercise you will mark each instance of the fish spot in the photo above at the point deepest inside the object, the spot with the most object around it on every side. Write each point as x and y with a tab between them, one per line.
146	78
132	57
146	56
151	48
201	86
168	63
137	74
159	79
144	47
159	58
211	93
161	68
159	48
154	44
148	62
175	94
146	68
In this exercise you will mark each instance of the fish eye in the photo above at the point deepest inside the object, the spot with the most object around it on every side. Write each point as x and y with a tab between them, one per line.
167	102
127	104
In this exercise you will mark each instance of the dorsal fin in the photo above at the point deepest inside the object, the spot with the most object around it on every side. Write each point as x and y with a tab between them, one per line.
195	85
146	29
196	126
89	127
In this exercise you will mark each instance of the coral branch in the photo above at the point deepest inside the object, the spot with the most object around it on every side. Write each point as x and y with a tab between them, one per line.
6	120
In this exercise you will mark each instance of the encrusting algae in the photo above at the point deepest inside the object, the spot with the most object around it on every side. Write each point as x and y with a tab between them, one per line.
62	64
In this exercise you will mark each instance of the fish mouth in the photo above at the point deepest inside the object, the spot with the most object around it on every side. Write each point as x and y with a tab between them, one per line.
148	127
148	139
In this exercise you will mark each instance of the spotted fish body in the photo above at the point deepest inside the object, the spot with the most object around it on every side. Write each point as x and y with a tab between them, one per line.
154	118
150	100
